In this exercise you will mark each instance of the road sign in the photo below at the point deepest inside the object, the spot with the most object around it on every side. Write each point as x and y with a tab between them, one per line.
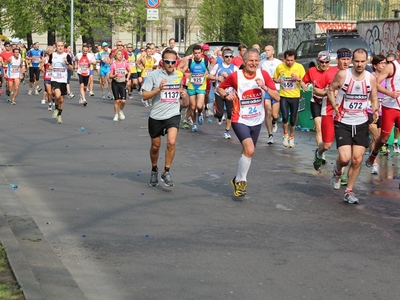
152	14
153	3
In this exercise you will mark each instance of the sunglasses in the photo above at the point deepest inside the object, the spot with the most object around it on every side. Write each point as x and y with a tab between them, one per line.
169	62
228	56
324	62
119	45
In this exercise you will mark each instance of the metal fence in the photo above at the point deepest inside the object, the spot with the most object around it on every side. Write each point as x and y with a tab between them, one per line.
347	9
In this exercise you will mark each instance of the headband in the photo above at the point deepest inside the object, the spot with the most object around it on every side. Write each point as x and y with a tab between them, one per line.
344	54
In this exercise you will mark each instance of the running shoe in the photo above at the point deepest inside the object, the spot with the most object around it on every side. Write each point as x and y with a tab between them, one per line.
343	179
59	119
30	92
166	178
375	169
219	122
8	93
13	102
84	102
270	140
201	119
336	180
317	161
224	117
185	124
323	159
285	141
121	115
153	179
350	198
145	103
239	188
36	92
109	96
396	148
80	101
103	96
91	93
370	160
194	128
115	118
39	89
383	150
55	113
291	142
43	102
190	121
227	136
49	108
274	128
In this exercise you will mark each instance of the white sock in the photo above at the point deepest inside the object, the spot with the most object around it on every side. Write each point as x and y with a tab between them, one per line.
395	141
243	168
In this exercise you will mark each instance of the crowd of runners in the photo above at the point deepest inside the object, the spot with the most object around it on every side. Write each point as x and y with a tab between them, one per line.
356	106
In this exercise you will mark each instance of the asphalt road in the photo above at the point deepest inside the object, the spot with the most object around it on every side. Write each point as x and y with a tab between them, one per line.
84	224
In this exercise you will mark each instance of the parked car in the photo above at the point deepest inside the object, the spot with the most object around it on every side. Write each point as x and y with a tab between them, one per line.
308	50
213	45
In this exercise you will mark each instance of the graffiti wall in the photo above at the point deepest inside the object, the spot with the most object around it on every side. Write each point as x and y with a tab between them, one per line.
383	36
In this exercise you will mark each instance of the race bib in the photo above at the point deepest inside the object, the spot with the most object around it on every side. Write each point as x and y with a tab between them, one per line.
197	78
170	93
59	73
251	108
35	59
355	106
289	84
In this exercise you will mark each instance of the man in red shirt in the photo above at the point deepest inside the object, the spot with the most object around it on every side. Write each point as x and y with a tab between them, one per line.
120	46
309	81
238	60
5	56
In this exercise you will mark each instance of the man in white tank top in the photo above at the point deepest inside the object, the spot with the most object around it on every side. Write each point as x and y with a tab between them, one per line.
59	62
390	104
355	86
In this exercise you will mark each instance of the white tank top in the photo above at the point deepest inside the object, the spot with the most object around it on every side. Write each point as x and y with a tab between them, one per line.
59	71
393	84
14	68
251	100
353	100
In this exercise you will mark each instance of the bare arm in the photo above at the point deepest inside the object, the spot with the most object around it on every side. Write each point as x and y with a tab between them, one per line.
374	99
387	72
335	85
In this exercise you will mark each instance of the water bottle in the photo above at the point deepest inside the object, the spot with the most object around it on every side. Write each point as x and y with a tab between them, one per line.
13	186
310	87
82	129
209	121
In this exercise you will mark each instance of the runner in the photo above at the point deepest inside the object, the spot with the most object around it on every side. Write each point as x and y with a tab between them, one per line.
238	60
34	57
390	104
308	82
164	86
92	66
147	65
119	72
47	79
269	64
246	88
133	80
15	71
5	56
355	86
218	74
103	57
289	75
59	62
68	50
197	67
83	61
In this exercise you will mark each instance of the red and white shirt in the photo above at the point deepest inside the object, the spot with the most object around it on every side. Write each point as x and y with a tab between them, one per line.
393	84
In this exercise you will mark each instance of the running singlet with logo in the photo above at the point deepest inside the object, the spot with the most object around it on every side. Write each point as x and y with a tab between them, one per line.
353	100
83	63
197	70
59	71
104	57
393	84
14	68
121	70
36	56
47	72
132	62
248	108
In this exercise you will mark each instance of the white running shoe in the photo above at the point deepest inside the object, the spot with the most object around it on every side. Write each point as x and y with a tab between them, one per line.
375	169
270	140
350	198
30	92
285	141
227	136
84	102
291	142
121	115
49	108
275	127
336	180
145	103
36	92
115	118
43	102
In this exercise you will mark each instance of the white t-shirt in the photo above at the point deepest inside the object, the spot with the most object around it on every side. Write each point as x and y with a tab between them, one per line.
270	65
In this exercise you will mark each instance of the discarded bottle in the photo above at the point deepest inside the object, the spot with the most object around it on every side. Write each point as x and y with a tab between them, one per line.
13	186
209	121
82	129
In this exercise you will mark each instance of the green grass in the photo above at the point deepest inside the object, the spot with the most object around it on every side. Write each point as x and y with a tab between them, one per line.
7	294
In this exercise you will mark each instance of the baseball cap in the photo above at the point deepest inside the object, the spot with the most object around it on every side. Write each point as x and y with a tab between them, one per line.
227	52
104	44
205	47
324	55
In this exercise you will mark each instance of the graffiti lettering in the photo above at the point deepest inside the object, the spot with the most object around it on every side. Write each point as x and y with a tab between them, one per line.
342	26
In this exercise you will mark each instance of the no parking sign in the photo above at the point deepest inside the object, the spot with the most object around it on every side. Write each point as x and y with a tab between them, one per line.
152	3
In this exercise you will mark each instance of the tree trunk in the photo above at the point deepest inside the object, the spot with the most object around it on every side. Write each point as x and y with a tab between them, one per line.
51	37
29	40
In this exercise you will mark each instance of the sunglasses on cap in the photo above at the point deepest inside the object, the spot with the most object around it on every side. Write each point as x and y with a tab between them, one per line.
169	62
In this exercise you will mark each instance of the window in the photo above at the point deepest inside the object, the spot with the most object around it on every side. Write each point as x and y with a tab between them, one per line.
320	45
180	30
141	34
303	49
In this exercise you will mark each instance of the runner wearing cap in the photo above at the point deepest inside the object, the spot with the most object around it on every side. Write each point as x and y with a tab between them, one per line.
5	56
308	82
103	57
